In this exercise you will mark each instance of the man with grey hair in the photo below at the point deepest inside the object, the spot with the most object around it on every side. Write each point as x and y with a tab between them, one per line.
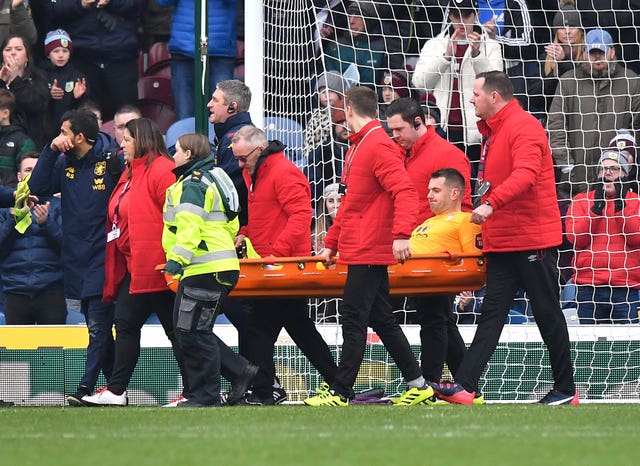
229	108
279	224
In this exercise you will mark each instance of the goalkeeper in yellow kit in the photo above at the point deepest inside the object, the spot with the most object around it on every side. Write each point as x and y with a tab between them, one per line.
450	230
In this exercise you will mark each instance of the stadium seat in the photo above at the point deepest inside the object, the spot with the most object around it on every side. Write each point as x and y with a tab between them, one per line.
158	60
164	115
156	88
288	132
109	127
184	126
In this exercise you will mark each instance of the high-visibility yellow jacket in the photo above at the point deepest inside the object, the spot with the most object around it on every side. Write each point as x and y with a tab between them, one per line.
199	230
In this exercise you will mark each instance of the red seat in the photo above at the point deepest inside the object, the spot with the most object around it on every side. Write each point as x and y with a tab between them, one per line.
156	88
109	127
158	59
164	115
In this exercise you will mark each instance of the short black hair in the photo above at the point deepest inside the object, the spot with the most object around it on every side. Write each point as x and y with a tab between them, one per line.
408	109
83	122
497	81
452	177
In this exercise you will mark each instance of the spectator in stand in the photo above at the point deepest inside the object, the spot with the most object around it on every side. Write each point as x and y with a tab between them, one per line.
279	225
20	76
564	54
15	18
520	248
229	109
392	87
326	214
67	85
447	67
94	108
448	229
124	115
13	141
361	45
156	24
106	47
603	224
30	262
371	231
222	23
325	165
331	18
134	249
330	88
593	101
82	164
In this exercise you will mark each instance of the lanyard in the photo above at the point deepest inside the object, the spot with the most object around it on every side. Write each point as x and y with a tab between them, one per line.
117	208
483	158
351	155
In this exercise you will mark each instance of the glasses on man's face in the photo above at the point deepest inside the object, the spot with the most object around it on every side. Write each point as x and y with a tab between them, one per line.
243	158
611	169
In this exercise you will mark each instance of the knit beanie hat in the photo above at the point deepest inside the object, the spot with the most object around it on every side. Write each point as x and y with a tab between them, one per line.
333	81
397	81
618	156
624	141
567	16
57	38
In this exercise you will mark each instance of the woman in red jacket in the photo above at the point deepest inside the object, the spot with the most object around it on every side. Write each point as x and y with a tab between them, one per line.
134	249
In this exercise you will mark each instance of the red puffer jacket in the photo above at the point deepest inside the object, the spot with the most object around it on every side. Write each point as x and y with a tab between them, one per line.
380	204
606	245
429	154
146	196
523	192
279	206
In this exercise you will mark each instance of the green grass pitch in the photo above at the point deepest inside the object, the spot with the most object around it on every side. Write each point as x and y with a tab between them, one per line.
516	434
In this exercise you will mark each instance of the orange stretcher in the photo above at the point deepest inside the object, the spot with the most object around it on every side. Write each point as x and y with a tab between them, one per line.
290	277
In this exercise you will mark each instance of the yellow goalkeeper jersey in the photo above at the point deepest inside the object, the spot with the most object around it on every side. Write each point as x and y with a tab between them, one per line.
451	232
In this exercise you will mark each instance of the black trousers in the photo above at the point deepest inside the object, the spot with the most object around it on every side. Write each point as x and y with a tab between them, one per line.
48	307
366	304
267	319
131	312
536	272
198	302
439	336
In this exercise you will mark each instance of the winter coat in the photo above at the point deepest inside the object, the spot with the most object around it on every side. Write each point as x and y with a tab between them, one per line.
606	246
31	262
435	74
380	204
221	20
279	206
146	194
86	185
523	194
66	76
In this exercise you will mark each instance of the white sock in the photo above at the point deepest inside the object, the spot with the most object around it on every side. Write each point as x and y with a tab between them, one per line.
416	383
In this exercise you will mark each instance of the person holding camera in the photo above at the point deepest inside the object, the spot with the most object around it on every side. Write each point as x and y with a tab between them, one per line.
603	225
447	67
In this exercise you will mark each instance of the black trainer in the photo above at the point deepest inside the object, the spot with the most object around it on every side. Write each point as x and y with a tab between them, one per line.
240	385
558	398
277	396
76	398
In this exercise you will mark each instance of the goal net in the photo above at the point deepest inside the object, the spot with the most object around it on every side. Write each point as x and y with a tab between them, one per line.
538	42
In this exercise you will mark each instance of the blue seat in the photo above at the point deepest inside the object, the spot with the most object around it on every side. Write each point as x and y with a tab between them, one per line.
288	132
184	126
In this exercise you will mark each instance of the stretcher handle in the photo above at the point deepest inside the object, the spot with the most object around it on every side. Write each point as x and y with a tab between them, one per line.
295	259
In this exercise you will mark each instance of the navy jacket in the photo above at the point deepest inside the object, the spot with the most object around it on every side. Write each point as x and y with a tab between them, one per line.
6	196
86	185
226	161
30	262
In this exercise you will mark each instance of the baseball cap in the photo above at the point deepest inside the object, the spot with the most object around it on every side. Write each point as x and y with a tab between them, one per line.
464	4
598	39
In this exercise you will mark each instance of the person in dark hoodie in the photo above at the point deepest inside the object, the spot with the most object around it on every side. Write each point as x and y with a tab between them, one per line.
85	174
67	86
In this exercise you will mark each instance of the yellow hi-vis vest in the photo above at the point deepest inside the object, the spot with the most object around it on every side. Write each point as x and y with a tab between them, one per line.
200	225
